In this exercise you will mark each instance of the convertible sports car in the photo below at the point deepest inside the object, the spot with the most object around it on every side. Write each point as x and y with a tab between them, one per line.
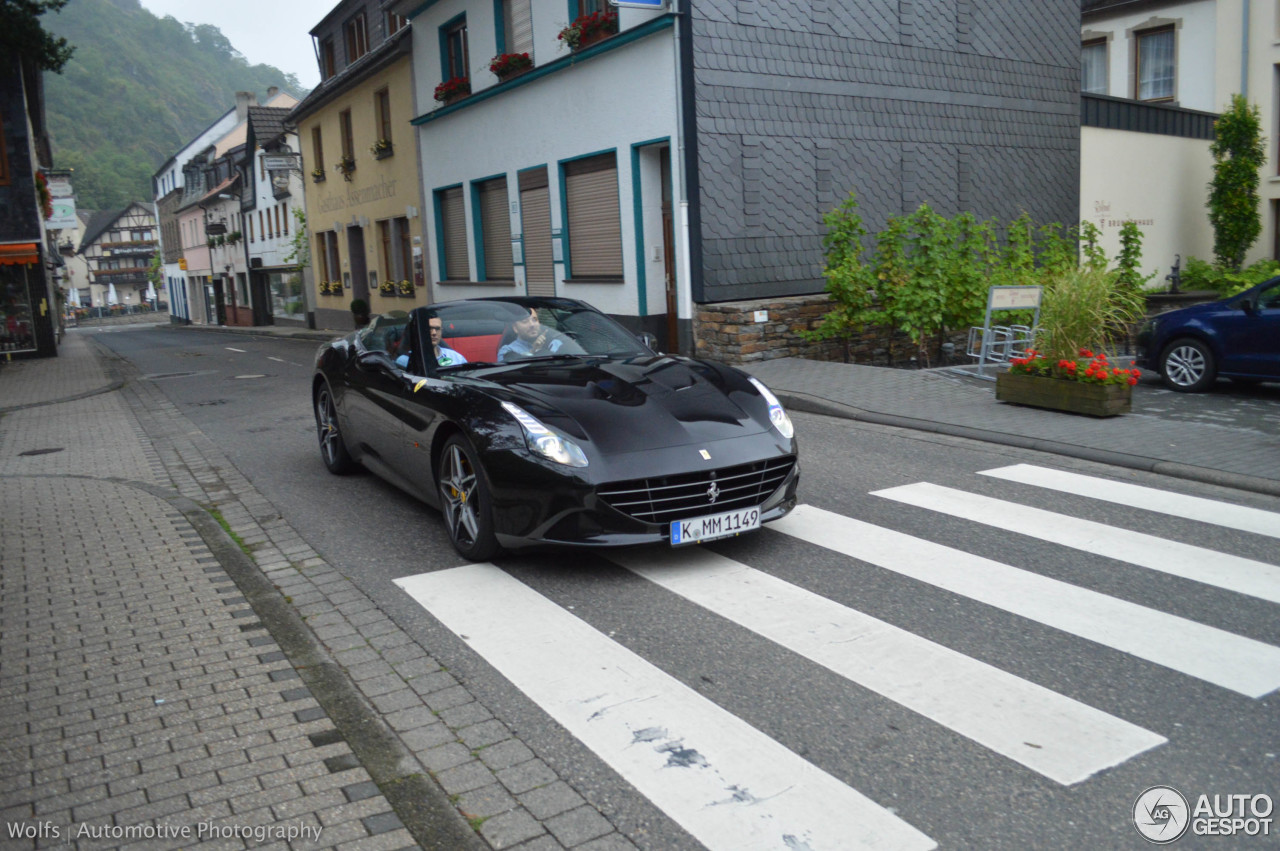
533	421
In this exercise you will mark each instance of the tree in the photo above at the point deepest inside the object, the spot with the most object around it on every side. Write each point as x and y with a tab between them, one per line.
1239	153
21	34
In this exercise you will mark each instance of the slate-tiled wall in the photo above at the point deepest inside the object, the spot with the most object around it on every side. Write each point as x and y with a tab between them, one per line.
964	104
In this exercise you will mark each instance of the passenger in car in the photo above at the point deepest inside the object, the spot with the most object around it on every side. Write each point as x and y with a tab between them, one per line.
445	356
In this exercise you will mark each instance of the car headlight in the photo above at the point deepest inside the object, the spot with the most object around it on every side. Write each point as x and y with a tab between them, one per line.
777	415
545	442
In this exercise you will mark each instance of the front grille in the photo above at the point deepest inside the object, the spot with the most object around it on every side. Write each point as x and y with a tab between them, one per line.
666	498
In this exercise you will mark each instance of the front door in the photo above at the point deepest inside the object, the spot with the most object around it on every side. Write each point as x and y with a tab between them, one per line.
355	255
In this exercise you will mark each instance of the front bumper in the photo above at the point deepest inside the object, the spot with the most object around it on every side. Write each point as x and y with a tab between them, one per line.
539	505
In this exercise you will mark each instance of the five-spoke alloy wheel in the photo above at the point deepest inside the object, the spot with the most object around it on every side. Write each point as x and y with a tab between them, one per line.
465	500
332	448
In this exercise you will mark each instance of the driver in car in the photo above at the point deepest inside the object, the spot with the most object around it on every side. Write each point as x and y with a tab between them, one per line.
531	339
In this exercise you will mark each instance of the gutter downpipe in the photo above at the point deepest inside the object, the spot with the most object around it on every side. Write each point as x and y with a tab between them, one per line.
687	139
1244	53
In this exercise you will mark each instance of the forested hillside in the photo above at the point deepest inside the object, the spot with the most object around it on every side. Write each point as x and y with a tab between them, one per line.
138	88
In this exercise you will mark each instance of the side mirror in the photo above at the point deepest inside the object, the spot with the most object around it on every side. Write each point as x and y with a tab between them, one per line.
649	340
1249	306
374	361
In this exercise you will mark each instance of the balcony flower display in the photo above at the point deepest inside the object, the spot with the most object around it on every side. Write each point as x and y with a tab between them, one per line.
346	167
387	288
381	148
588	29
406	288
453	89
507	65
317	174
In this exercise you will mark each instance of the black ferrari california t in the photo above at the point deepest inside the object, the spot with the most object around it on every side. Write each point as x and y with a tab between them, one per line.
541	421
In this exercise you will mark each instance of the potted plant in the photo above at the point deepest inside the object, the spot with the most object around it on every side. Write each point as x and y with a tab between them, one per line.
586	30
406	288
346	167
359	312
317	174
1069	371
453	89
234	237
504	66
381	149
387	288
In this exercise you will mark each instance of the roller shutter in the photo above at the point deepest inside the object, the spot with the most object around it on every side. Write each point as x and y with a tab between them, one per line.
594	222
453	226
495	224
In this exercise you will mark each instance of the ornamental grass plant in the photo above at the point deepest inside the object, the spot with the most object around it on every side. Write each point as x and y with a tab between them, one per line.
1080	309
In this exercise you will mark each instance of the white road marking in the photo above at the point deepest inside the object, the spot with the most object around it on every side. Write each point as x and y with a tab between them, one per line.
1234	573
1223	658
1061	738
241	351
1212	511
728	784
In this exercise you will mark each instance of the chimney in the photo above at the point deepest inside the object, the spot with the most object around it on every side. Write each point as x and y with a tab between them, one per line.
244	100
272	92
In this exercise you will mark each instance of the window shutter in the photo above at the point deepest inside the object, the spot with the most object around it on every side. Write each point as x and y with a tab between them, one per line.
454	227
535	214
595	225
520	36
495	225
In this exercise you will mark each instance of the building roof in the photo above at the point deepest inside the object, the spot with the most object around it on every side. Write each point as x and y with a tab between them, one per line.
236	137
98	224
1088	7
100	221
267	122
399	42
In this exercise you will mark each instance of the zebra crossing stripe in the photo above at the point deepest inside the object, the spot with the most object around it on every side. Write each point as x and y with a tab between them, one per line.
1213	511
1056	736
1233	573
1207	653
729	785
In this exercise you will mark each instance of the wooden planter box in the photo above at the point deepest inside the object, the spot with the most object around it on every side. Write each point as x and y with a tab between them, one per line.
1095	400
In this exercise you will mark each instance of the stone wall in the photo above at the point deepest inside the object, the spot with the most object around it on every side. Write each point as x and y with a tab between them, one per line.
728	332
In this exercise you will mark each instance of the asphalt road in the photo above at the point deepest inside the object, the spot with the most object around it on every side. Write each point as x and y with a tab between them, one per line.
249	395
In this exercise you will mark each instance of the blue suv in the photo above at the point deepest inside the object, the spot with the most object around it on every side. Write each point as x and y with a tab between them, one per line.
1237	338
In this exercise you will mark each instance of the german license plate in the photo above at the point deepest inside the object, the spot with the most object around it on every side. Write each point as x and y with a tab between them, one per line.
712	526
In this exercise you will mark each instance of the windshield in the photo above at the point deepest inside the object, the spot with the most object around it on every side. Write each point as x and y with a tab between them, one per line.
489	331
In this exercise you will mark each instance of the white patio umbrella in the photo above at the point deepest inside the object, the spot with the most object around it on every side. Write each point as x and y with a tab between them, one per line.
112	299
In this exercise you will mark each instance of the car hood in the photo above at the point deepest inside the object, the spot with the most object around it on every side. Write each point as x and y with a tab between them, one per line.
635	404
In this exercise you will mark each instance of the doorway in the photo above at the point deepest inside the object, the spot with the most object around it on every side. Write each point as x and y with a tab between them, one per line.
359	281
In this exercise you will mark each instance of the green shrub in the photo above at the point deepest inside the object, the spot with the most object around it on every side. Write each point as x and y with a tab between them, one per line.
1203	275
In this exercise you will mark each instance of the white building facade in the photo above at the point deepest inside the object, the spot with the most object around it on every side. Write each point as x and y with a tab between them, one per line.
579	198
1175	62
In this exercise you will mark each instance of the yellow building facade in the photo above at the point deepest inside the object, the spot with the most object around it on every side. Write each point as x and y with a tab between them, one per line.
363	191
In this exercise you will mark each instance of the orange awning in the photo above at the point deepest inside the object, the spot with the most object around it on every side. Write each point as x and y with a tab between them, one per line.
19	253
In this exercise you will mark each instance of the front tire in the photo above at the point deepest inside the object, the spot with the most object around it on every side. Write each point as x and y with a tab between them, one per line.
1188	366
333	449
465	500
